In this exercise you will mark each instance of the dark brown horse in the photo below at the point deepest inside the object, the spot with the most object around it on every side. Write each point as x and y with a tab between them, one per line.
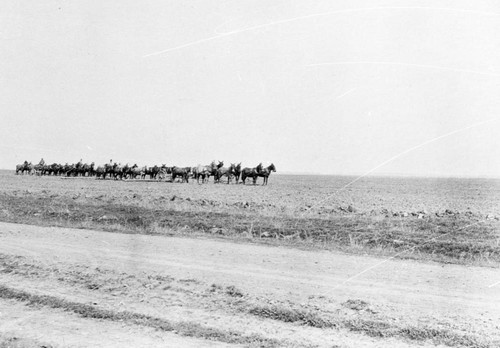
108	169
251	173
265	172
135	172
100	172
213	172
181	172
87	169
153	172
117	171
237	172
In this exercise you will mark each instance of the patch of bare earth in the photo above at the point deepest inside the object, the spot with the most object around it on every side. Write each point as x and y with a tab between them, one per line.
201	292
25	326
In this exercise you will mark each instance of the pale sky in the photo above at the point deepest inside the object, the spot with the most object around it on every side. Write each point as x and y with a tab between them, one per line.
336	87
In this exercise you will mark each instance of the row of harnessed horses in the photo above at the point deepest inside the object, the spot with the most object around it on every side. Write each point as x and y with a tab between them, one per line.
159	173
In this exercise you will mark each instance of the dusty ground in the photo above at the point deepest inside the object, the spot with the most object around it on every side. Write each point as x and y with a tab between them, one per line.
198	285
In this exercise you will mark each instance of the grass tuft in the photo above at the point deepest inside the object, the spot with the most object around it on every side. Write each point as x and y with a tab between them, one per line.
450	239
288	315
371	327
187	329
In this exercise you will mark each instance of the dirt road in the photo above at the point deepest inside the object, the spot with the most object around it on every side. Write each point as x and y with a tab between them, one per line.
244	291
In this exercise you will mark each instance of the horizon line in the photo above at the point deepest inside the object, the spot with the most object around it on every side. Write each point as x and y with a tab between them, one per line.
384	174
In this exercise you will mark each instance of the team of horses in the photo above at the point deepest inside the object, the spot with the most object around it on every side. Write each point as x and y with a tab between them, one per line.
119	172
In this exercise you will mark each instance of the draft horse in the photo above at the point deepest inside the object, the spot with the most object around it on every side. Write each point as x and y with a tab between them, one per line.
251	173
265	172
229	172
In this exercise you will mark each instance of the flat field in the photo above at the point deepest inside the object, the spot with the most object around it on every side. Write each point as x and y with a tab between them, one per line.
304	261
451	220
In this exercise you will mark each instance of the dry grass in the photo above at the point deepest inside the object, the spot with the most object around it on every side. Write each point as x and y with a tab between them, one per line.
187	329
453	238
374	327
353	315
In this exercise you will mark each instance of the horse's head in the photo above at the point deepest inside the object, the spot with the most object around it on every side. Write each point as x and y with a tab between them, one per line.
272	167
220	164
